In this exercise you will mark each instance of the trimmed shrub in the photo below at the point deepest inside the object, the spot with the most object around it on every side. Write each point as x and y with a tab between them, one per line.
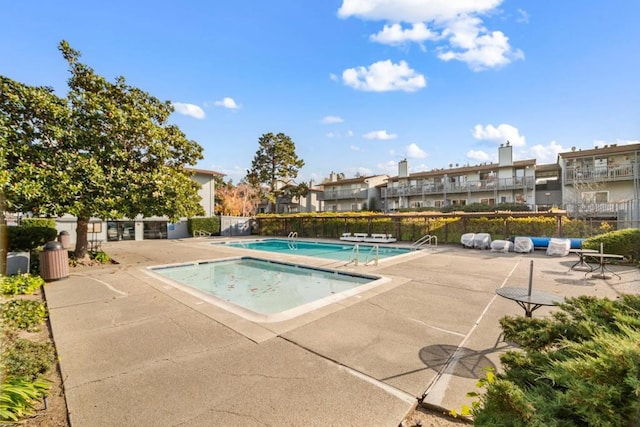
622	242
38	222
577	368
209	225
29	238
23	314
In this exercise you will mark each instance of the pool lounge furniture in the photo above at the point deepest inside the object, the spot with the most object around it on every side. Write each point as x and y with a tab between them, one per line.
356	237
501	246
380	238
467	240
523	245
558	247
482	241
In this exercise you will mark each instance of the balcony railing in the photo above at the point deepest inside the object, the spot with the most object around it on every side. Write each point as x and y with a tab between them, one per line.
515	183
601	174
360	194
610	209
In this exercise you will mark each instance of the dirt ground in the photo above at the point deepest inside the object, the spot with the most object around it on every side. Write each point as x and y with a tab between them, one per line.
429	417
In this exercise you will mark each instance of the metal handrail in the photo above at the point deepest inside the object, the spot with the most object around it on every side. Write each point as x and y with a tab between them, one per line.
354	256
375	248
425	240
293	235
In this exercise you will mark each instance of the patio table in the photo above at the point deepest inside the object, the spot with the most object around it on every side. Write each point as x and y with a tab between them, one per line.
582	255
529	301
528	298
603	260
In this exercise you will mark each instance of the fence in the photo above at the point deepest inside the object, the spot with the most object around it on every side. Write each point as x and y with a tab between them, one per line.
446	227
235	226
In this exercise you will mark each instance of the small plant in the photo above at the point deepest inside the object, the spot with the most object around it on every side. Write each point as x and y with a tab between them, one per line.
100	256
466	410
20	284
18	397
28	359
23	314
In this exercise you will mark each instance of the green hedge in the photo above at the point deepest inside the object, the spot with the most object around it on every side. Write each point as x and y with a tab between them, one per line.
210	225
38	222
29	237
622	242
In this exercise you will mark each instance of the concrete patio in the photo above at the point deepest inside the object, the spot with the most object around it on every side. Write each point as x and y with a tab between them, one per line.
136	351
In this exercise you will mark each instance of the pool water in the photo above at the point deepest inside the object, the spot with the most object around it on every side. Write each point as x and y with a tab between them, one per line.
336	251
265	290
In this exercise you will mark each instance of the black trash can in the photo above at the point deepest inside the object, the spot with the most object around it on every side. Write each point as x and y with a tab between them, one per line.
65	239
54	262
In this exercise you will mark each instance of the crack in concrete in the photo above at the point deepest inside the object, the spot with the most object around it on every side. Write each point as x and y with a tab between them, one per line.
190	421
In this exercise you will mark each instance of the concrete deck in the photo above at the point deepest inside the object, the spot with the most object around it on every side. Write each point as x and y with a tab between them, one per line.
136	351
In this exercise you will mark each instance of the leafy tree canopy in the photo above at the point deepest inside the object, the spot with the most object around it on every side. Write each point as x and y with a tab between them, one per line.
105	150
275	164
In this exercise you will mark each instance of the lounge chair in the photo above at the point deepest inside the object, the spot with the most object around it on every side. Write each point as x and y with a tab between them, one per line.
380	238
356	237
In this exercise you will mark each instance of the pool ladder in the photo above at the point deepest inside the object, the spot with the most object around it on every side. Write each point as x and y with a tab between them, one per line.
427	239
292	240
372	256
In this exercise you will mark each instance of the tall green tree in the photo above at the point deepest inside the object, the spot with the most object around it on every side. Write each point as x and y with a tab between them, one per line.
274	165
105	150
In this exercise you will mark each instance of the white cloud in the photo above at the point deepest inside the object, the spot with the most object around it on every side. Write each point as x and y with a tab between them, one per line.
354	148
500	134
413	10
384	76
190	110
415	152
380	134
349	133
331	135
478	155
602	143
334	77
390	167
472	43
332	119
227	102
396	35
456	25
545	153
523	17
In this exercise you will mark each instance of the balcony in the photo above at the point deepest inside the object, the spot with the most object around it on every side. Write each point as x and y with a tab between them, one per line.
515	183
603	174
358	194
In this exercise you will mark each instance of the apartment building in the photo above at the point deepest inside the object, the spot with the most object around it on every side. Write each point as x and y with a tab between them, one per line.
353	194
506	181
602	182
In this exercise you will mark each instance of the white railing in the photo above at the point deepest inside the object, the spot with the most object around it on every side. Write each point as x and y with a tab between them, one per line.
292	235
427	239
375	250
354	256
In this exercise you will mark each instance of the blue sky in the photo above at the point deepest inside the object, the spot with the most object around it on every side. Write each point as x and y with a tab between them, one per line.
357	84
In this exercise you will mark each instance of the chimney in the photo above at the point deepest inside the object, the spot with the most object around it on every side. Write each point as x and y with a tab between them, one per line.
505	155
403	168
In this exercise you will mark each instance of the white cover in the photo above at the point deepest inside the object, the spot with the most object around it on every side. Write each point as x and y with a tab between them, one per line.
482	241
467	239
523	245
501	246
558	247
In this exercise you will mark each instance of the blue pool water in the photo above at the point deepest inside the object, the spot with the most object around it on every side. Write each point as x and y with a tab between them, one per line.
337	251
264	290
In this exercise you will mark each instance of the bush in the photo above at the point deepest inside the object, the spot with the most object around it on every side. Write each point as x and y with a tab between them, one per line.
38	222
29	238
28	359
23	314
577	368
622	242
20	284
210	225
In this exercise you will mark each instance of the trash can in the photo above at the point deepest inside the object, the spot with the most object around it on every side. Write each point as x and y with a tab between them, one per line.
54	262
65	239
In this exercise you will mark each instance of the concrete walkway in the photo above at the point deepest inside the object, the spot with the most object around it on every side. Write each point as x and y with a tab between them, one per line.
137	351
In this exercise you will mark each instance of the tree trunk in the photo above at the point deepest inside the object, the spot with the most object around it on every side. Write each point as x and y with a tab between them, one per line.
81	238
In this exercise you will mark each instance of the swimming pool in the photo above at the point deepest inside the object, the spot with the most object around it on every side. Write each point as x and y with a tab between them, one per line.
336	251
262	290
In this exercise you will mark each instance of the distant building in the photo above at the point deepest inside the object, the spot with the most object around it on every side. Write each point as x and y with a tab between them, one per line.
352	194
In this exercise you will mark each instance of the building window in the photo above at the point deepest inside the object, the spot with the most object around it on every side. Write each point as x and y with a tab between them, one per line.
438	203
459	202
155	230
488	201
